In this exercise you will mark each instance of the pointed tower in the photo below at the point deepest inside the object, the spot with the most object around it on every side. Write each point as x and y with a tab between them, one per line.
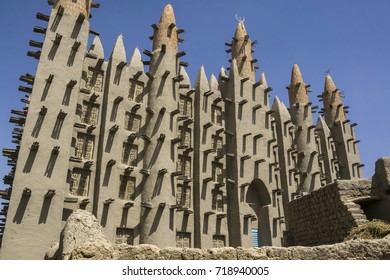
301	116
252	167
285	131
165	33
298	89
37	202
345	146
242	52
167	213
333	107
165	44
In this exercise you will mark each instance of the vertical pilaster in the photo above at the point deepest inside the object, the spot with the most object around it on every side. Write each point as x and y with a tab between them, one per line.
327	157
343	132
167	197
301	116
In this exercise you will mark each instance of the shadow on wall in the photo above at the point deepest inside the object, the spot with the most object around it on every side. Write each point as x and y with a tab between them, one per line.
50	165
30	161
21	209
44	211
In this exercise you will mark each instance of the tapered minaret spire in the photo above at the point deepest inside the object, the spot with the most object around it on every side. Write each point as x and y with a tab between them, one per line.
297	90
242	52
333	107
165	33
168	134
74	8
342	131
301	116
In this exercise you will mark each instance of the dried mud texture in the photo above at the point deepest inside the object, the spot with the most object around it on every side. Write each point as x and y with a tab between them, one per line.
83	238
83	230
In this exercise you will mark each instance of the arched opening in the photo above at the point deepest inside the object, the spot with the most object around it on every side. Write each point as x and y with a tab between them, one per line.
259	199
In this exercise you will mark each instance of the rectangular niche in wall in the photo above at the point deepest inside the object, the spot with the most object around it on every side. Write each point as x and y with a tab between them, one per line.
217	144
217	203
184	133
183	195
90	113
216	115
136	91
183	239
219	241
127	187
84	146
132	122
129	154
124	236
217	172
185	106
95	80
184	165
80	182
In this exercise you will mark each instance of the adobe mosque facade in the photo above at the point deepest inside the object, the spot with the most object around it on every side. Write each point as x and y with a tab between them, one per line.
156	159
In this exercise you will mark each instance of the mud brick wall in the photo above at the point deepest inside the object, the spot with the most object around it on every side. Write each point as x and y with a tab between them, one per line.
324	216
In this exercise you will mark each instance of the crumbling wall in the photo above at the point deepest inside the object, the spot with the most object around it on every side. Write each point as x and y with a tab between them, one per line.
83	238
325	216
360	249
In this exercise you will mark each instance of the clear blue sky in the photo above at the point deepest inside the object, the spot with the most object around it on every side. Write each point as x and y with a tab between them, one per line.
351	37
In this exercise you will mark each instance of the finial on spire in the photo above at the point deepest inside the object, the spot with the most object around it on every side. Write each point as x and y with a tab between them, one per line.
242	51
240	19
240	31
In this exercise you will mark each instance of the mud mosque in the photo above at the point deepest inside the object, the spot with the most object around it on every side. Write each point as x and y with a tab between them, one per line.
159	160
